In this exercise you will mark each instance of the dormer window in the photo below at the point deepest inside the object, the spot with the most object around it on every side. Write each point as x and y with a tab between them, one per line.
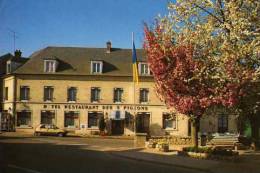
96	67
8	67
144	69
50	66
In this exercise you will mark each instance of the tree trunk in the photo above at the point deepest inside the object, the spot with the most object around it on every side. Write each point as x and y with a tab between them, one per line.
194	131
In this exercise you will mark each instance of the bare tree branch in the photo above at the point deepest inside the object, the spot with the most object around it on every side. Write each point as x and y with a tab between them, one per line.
205	10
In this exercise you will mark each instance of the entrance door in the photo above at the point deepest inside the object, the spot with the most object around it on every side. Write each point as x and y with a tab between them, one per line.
143	122
7	121
117	127
222	123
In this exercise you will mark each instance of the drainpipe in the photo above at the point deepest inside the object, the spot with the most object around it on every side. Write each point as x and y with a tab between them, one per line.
14	102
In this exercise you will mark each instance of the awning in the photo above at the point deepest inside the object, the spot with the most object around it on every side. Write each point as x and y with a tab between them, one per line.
117	115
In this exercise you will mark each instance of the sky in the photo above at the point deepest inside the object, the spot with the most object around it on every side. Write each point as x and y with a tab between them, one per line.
77	23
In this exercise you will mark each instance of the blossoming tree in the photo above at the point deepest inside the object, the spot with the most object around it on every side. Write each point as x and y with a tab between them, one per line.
204	53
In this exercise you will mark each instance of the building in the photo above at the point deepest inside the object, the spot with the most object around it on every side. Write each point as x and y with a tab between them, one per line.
77	88
8	64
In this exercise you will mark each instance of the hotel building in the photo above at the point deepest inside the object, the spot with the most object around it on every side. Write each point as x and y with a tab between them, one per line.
74	88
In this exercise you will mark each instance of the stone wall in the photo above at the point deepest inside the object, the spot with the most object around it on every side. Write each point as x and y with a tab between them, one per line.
172	140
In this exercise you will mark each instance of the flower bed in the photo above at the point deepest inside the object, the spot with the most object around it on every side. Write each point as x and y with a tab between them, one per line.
172	140
210	153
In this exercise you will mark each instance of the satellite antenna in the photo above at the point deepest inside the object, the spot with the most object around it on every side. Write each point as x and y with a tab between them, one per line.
14	34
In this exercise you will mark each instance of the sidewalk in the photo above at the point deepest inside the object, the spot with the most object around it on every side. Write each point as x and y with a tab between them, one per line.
30	134
249	162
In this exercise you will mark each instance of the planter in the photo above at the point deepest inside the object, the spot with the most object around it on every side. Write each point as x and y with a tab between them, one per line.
150	144
102	133
164	147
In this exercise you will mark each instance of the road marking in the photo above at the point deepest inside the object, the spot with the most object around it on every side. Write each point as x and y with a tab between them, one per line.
24	169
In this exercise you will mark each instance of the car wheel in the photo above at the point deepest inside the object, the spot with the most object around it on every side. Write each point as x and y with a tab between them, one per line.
60	134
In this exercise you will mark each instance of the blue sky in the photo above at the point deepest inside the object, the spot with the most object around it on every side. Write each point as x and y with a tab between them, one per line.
82	23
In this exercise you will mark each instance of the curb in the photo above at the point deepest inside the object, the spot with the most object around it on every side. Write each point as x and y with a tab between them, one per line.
69	135
100	137
161	163
104	137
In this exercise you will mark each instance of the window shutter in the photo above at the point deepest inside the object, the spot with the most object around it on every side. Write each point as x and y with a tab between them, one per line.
21	94
45	93
146	95
92	95
74	94
51	94
98	94
28	93
115	90
140	95
163	121
68	94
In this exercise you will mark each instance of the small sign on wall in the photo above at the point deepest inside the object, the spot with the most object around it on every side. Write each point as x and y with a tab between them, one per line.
83	126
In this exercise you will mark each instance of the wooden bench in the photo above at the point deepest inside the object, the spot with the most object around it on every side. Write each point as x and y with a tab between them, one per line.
225	141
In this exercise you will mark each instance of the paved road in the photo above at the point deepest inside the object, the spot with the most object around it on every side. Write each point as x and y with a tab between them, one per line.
71	155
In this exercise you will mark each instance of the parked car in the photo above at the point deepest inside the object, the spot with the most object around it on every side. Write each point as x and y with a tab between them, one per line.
46	129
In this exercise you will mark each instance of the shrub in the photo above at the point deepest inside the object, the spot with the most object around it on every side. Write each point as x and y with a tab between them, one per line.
198	149
209	150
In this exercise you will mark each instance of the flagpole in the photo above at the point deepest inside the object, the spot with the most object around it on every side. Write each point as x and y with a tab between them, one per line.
134	89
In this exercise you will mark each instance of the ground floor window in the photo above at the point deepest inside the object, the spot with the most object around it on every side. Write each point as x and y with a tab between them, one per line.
222	123
142	122
93	118
24	119
169	121
48	117
71	119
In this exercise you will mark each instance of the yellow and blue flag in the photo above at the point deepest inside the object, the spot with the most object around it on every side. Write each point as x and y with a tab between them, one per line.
135	66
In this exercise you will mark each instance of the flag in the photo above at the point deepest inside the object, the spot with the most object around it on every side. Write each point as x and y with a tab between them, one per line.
134	59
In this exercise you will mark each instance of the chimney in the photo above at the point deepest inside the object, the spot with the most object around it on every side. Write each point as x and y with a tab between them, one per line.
109	46
18	53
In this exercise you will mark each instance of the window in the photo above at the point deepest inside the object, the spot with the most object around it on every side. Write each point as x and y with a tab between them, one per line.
96	66
47	117
222	123
24	119
118	92
6	93
129	120
72	94
48	93
24	93
93	118
143	122
144	69
71	119
95	94
144	95
8	67
49	66
169	121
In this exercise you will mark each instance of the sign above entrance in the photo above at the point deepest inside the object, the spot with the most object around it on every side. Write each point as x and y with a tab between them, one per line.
77	107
